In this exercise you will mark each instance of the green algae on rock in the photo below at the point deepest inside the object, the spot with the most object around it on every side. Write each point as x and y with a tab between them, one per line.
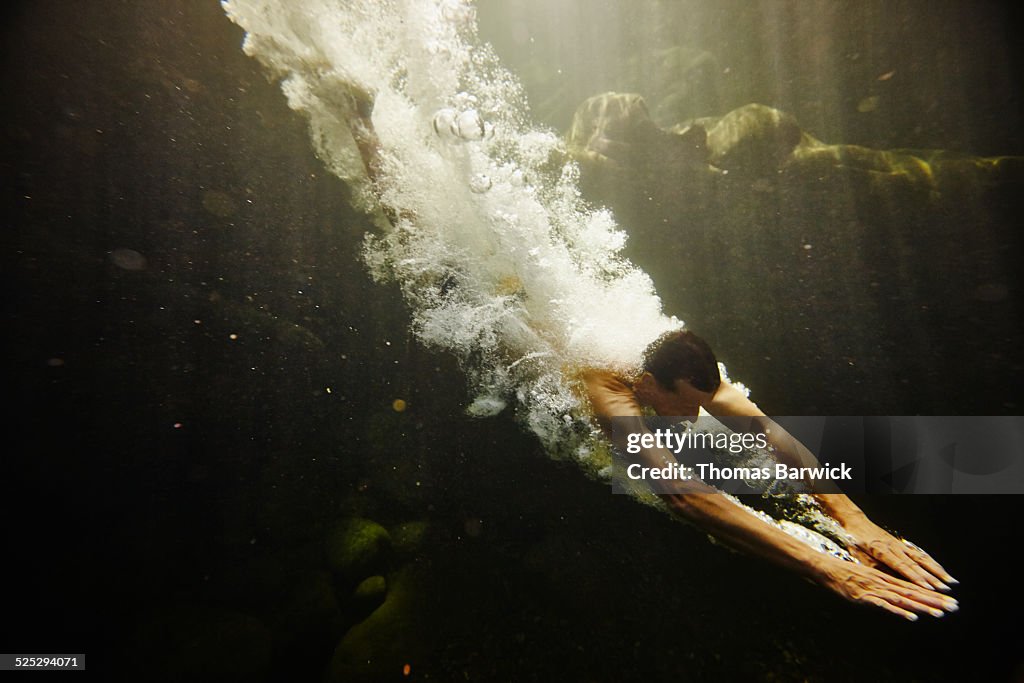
357	548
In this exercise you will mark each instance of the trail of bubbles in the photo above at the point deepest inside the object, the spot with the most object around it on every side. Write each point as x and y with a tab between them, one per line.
502	262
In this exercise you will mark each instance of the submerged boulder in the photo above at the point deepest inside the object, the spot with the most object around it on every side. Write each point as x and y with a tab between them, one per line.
616	130
358	548
397	633
752	139
615	140
369	594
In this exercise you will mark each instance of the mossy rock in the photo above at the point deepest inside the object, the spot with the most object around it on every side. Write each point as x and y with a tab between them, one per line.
358	548
398	632
369	594
753	139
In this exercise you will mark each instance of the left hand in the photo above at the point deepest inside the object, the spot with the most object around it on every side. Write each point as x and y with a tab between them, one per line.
876	546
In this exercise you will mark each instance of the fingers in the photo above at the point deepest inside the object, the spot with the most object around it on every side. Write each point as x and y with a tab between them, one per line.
935	602
899	560
910	562
924	566
905	604
889	607
926	561
893	594
904	557
908	604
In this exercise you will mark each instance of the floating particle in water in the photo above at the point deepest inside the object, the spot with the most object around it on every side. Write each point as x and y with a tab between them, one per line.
886	76
128	259
398	405
192	85
480	183
233	336
55	362
406	670
808	246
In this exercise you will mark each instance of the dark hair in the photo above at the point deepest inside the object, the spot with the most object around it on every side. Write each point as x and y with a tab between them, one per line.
683	355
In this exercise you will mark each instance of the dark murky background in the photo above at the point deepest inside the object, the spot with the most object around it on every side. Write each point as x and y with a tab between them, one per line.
202	375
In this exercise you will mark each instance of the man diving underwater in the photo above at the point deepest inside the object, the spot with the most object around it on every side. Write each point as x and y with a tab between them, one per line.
679	377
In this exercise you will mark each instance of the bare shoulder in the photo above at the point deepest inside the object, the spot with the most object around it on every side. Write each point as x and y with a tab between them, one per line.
730	401
609	393
591	375
599	381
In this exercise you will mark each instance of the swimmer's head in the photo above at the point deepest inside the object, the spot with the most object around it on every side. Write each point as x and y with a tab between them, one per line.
680	374
681	354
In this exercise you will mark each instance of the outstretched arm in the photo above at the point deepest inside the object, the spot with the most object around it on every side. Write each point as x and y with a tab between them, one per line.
875	546
856	583
720	516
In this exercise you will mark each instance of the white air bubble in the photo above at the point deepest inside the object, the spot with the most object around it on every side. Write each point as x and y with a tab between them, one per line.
480	183
465	100
444	123
469	126
458	13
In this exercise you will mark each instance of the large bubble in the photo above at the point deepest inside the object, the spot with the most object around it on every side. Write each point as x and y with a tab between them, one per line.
450	124
443	123
469	126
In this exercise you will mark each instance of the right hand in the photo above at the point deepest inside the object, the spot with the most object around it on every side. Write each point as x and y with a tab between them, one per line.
869	586
877	547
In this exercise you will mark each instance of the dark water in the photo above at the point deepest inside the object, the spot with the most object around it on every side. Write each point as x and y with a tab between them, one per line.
185	286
